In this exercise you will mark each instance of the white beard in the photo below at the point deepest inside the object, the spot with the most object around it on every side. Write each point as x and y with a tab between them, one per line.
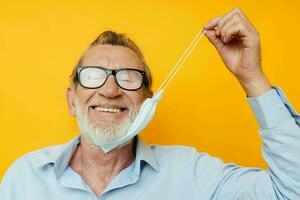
100	136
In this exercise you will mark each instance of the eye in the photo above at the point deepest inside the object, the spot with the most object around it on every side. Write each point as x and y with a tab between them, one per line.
129	75
92	77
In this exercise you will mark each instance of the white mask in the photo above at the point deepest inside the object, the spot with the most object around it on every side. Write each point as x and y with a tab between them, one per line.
148	107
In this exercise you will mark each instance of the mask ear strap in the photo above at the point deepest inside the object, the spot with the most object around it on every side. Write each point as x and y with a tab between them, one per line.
181	60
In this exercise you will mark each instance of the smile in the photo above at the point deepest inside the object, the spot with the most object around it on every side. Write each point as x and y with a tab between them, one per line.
108	109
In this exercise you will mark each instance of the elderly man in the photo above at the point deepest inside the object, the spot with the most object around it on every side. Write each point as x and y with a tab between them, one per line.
107	88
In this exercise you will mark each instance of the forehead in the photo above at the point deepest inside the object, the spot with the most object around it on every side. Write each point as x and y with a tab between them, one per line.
112	57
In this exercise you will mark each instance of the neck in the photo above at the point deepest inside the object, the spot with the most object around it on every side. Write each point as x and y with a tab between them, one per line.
98	168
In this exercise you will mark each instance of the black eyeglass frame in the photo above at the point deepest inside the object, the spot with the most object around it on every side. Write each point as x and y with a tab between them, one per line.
108	73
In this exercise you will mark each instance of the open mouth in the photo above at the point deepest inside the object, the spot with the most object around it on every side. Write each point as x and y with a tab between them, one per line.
108	109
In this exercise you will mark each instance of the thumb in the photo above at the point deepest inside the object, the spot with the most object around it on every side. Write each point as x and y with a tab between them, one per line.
214	39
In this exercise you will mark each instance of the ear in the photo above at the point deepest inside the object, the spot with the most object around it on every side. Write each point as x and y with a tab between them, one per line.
149	94
71	101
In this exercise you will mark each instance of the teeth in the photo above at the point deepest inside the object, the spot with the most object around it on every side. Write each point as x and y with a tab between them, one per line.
111	110
117	110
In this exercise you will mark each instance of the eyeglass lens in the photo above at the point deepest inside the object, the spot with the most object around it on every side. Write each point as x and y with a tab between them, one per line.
92	77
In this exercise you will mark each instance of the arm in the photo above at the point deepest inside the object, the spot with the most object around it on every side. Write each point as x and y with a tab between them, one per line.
280	132
238	44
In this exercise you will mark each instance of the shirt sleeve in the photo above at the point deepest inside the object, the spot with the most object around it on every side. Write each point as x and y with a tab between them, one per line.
8	185
280	132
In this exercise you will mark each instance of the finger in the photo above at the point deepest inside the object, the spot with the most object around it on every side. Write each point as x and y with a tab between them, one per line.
212	37
234	20
237	31
235	13
212	23
244	17
241	13
225	27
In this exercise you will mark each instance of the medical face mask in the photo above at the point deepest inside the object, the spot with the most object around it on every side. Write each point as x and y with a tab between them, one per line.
148	107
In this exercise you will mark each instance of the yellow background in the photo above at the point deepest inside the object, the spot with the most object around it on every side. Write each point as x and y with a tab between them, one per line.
203	107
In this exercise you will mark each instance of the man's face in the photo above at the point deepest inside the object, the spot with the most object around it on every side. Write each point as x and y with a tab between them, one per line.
108	106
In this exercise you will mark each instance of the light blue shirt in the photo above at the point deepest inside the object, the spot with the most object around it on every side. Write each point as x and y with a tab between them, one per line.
174	172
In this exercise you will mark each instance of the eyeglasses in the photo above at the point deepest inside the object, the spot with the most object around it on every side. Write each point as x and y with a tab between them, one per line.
92	77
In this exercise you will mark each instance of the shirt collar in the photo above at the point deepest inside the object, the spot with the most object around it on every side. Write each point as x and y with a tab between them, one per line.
60	156
144	152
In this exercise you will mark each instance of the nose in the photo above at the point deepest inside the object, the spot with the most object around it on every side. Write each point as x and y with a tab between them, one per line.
110	89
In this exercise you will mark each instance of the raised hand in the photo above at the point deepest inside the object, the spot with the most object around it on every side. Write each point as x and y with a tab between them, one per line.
238	44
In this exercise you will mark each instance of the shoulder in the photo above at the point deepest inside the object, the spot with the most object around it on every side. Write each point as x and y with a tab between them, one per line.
31	161
187	162
171	150
181	153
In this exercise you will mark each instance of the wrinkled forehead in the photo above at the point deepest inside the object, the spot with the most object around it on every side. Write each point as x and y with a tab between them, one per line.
112	57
